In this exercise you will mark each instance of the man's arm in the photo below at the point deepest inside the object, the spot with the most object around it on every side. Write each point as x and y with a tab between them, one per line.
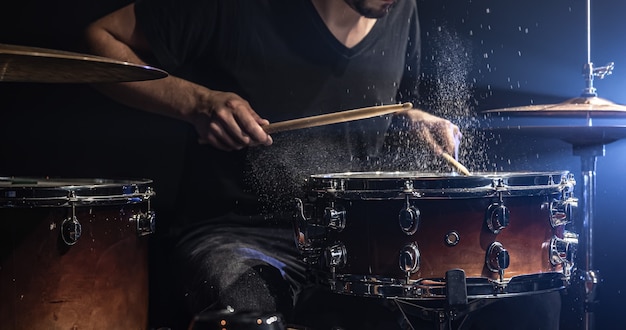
222	119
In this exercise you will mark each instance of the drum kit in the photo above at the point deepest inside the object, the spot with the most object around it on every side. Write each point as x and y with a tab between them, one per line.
438	245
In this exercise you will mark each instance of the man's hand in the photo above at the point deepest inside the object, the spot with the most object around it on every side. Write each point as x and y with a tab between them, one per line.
440	134
228	122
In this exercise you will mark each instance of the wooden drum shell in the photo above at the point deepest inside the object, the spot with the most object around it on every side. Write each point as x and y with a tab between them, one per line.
99	282
353	228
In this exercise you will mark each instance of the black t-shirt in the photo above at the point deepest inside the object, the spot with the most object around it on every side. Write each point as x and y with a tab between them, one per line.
280	56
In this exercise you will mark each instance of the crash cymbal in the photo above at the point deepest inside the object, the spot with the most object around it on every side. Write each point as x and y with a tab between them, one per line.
572	107
579	121
31	64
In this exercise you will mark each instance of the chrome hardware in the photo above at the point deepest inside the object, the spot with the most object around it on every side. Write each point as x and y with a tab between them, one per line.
452	238
590	72
70	230
408	186
497	217
567	182
498	184
145	223
335	219
589	76
592	278
409	218
299	224
561	209
70	227
335	255
560	212
336	185
497	258
409	259
563	251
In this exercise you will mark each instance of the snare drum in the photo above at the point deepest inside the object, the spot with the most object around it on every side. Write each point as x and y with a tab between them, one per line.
397	234
73	253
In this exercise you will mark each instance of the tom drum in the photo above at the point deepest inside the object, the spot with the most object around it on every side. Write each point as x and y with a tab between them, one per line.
74	255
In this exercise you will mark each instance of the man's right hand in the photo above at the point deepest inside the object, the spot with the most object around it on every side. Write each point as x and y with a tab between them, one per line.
228	122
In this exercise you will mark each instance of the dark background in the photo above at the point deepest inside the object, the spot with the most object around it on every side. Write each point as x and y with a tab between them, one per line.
479	55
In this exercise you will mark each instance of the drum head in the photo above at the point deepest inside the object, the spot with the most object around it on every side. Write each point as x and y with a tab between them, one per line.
41	192
364	185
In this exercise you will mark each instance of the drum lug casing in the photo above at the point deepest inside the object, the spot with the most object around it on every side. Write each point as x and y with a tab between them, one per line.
300	225
563	251
335	256
70	230
145	223
335	219
409	259
498	217
561	211
409	218
497	258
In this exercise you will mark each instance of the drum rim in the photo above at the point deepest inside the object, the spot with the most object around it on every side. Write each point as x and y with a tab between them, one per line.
417	175
44	191
432	185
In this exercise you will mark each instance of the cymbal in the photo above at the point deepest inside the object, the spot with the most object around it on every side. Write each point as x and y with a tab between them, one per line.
572	107
32	64
581	121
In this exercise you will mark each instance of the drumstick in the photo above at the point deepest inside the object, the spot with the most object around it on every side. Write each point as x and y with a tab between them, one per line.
337	117
331	118
456	164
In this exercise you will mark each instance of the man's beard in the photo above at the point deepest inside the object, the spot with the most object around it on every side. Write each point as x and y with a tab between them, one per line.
361	7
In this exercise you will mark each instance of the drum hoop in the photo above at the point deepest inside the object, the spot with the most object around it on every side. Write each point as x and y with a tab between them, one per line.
45	192
400	185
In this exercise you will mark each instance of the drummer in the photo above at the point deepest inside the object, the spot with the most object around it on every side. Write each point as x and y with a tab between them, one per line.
237	65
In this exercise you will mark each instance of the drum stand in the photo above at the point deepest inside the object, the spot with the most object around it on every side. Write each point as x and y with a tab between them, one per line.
585	279
442	314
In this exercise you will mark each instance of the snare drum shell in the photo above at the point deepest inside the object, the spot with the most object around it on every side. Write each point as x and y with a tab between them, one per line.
100	282
449	207
373	238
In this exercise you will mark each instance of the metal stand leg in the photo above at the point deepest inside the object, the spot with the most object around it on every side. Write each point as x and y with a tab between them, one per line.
587	277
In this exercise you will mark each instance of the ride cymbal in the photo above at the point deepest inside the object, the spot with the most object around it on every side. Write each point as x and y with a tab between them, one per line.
579	121
31	64
575	106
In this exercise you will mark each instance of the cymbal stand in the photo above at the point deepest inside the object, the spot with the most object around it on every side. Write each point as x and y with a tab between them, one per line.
588	70
587	279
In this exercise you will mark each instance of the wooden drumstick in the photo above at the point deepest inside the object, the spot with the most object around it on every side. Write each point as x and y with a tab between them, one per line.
337	117
456	164
332	118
